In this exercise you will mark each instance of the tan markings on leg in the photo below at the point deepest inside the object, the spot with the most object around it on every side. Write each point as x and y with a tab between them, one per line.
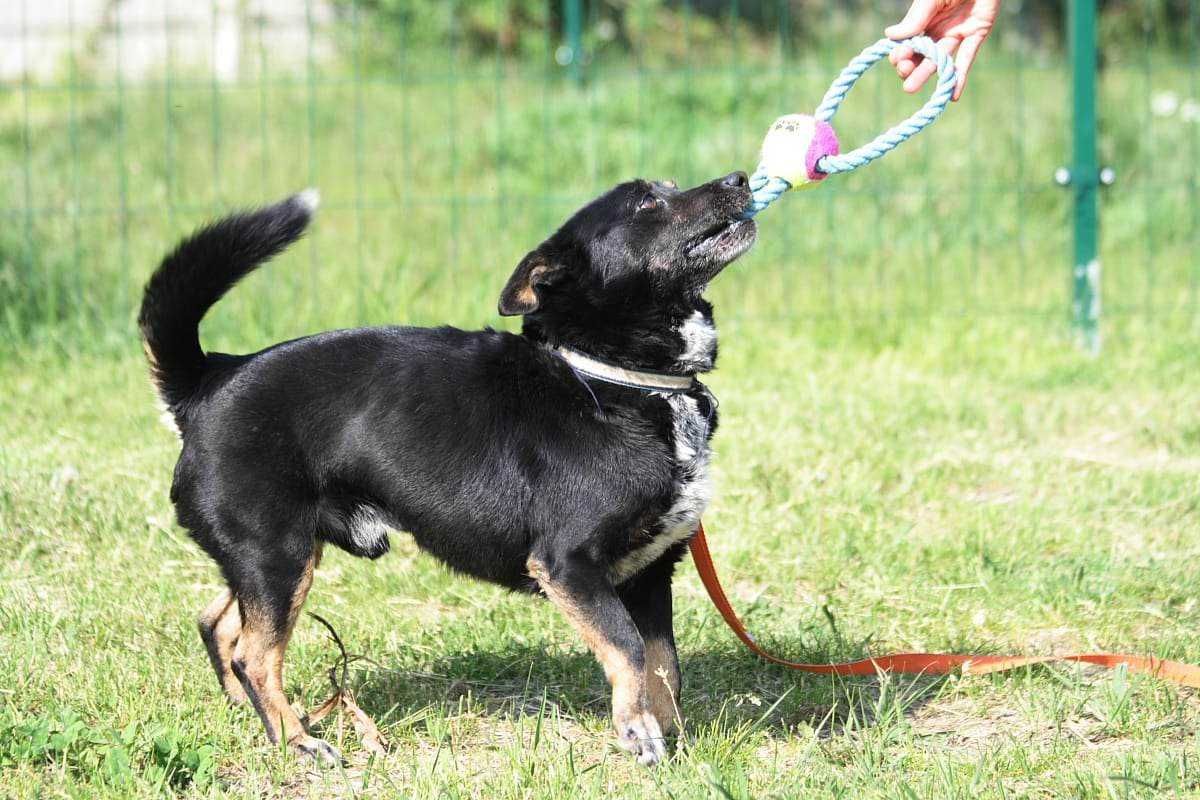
663	693
220	623
302	591
213	611
259	653
637	729
627	681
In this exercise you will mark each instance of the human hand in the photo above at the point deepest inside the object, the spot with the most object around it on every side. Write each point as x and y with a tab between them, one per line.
956	25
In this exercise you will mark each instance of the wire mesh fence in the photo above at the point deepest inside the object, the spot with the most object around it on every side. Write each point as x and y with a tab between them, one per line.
448	139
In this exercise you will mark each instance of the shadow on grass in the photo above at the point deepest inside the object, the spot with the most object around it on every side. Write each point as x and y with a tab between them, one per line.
723	690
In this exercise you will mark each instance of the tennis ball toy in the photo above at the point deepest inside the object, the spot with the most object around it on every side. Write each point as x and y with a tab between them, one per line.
793	147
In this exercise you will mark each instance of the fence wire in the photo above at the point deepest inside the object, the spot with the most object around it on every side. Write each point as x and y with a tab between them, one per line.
448	139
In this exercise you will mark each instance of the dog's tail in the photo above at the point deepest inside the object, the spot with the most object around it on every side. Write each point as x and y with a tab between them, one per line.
196	274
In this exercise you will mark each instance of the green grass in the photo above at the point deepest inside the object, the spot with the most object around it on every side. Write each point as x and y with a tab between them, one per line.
912	455
964	485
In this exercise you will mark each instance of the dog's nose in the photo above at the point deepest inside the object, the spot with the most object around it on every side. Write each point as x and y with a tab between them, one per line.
736	180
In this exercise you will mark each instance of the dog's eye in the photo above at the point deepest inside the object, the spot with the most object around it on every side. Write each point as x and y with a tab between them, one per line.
649	203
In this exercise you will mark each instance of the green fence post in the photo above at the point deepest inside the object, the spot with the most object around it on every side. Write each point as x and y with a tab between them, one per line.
1084	176
571	55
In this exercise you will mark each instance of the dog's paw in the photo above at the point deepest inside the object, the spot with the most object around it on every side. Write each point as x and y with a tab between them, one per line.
641	735
321	752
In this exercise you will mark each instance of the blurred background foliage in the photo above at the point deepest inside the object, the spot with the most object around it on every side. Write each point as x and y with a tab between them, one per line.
448	138
658	30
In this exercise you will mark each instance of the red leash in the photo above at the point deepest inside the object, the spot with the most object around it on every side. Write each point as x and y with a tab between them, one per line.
927	663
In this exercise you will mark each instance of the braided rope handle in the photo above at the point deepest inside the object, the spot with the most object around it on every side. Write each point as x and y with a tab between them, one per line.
767	188
889	139
764	190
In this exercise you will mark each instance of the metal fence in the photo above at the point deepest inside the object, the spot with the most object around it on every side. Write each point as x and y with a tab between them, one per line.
449	138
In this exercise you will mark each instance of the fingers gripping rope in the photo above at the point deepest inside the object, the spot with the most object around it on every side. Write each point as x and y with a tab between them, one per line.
800	151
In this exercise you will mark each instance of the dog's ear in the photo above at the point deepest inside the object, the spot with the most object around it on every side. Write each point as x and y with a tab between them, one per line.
521	294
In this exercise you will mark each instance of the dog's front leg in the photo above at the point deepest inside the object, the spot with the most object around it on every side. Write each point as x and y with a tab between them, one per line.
648	598
581	589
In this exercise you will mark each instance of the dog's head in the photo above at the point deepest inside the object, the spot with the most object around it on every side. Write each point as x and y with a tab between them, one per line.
621	275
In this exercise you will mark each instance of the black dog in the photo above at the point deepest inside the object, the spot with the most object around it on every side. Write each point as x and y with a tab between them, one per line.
570	460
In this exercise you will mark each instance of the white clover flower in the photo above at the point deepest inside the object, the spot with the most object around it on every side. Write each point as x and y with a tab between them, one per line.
1190	111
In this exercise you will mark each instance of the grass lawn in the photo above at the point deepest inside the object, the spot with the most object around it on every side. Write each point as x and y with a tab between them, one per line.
947	484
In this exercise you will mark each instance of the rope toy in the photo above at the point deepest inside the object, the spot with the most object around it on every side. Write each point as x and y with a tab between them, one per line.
800	151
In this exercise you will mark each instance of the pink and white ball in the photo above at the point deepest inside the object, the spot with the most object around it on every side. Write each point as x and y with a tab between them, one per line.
793	146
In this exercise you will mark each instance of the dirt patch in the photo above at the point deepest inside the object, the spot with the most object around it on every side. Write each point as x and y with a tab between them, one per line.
965	726
1118	450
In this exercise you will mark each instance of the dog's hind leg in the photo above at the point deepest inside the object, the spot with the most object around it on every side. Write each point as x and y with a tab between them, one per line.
220	624
271	593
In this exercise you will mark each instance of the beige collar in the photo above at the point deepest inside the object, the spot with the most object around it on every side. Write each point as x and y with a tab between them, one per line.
636	379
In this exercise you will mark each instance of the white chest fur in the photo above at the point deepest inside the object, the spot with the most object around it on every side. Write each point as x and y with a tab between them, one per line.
699	343
692	491
689	429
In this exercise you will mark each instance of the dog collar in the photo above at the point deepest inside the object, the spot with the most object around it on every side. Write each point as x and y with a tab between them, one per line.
633	378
